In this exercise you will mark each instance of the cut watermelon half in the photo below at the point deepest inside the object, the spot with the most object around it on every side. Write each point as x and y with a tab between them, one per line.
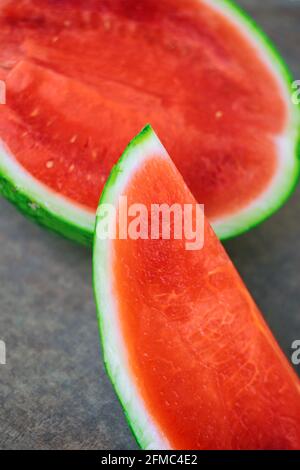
199	70
189	354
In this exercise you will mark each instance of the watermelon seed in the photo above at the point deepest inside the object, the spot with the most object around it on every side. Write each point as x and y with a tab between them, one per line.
73	139
219	114
50	164
35	112
71	167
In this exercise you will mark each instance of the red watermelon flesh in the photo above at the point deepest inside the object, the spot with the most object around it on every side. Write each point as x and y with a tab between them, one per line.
74	70
181	329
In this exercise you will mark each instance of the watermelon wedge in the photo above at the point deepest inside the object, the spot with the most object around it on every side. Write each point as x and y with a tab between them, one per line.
189	354
199	70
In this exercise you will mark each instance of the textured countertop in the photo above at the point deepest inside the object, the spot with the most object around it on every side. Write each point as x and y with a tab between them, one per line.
54	392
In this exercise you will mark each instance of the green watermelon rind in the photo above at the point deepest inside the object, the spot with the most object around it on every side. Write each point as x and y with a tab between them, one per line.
66	224
30	203
246	221
103	298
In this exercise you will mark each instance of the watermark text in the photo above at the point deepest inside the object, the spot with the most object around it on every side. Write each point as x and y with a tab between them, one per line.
296	94
296	353
154	222
2	353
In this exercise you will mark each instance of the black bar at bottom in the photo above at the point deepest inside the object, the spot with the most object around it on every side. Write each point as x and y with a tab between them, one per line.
133	459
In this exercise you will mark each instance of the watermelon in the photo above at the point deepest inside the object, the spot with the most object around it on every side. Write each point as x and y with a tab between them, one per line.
199	70
189	354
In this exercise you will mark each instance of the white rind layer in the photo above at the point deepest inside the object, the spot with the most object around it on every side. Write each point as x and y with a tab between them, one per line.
115	355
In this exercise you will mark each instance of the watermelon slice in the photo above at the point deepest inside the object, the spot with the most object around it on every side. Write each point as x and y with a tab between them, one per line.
199	70
192	360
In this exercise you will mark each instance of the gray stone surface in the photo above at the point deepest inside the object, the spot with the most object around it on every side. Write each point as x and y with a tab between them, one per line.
54	393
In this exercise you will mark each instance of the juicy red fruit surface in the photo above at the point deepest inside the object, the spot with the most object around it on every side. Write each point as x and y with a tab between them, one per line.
179	65
205	363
